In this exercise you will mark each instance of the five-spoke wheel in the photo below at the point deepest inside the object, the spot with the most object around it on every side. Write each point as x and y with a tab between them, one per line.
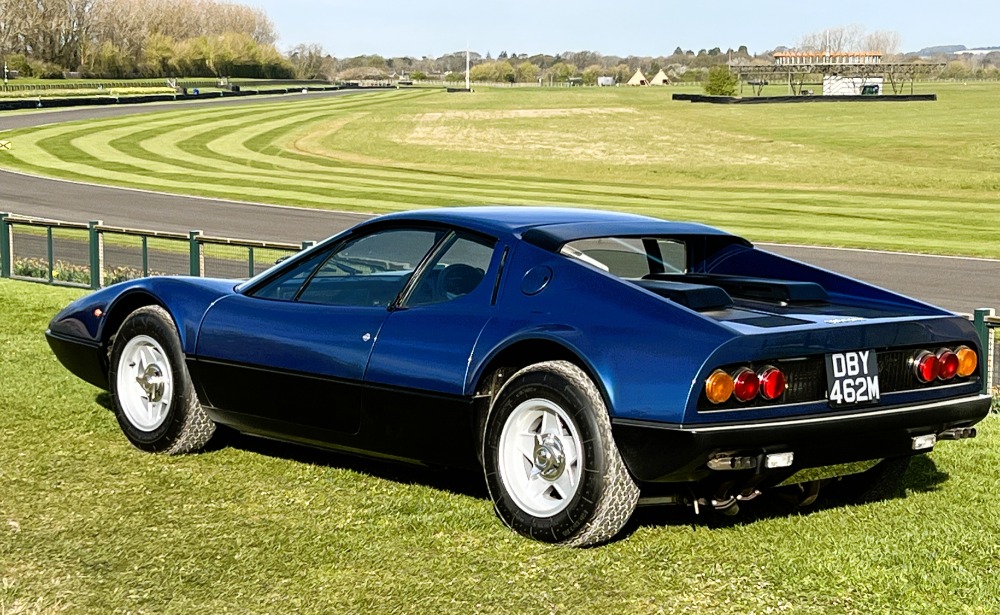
552	467
540	457
153	397
145	383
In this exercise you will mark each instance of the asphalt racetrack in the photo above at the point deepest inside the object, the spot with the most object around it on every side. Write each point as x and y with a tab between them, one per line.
959	284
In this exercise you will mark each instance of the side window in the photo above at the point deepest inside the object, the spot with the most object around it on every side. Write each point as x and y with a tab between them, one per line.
458	270
287	285
370	270
367	271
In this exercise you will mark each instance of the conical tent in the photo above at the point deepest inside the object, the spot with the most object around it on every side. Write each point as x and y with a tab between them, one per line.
638	78
660	79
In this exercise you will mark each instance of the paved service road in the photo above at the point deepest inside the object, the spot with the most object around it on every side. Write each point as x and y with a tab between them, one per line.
959	284
955	283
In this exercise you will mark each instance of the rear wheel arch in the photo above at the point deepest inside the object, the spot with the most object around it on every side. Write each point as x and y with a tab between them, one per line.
506	362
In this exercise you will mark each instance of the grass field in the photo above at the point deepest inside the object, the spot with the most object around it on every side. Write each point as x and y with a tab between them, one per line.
90	525
903	176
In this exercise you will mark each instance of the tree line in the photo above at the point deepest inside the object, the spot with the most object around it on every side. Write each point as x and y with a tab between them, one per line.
311	61
139	38
204	38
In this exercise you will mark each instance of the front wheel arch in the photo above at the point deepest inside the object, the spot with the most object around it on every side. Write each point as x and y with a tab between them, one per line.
118	312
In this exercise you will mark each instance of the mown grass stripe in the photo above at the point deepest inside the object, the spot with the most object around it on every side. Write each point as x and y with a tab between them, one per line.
291	153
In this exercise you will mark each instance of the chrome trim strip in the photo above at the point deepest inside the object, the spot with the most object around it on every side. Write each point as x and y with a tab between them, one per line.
841	417
799	421
886	396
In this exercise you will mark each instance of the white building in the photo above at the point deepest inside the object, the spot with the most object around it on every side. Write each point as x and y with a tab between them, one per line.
835	85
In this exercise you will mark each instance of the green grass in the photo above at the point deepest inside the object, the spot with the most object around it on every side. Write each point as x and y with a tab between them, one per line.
902	176
90	525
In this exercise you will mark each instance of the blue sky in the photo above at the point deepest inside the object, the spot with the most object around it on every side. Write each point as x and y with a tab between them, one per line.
623	27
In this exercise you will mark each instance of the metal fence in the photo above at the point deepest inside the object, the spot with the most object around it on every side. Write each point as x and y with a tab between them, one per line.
93	255
57	84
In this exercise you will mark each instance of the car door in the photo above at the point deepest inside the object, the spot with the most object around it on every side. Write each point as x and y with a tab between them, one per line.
291	352
415	381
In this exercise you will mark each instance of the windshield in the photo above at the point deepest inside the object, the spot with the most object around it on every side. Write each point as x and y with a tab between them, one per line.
630	257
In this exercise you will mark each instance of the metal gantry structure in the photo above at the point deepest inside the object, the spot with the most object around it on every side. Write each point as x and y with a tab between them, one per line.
799	69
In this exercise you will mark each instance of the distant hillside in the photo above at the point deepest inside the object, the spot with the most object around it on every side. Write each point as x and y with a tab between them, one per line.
941	49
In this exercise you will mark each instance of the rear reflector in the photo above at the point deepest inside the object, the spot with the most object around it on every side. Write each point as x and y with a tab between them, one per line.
947	364
745	384
925	366
779	460
772	383
923	443
967	361
719	387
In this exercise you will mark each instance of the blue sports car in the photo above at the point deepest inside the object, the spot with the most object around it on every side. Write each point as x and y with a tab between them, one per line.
586	361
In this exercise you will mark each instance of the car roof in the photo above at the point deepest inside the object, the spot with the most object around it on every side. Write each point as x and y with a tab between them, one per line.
552	225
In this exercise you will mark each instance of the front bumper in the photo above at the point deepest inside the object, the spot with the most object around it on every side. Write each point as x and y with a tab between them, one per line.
658	452
84	358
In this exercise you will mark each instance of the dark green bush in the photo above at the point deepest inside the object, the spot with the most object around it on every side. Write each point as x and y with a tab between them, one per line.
721	82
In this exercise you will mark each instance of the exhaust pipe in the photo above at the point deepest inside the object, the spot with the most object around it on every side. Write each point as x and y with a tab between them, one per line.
957	433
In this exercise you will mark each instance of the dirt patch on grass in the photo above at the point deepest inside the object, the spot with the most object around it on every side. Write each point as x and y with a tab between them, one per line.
612	135
506	114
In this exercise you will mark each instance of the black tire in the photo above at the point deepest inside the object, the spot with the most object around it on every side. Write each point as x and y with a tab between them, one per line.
151	391
600	502
882	482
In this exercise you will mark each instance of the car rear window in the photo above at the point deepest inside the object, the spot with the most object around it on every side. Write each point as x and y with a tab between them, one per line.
630	257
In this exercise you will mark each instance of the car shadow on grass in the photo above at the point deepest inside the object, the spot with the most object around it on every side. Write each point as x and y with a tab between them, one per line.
458	481
923	476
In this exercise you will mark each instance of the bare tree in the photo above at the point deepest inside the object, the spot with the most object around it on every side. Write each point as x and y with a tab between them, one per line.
840	38
885	42
311	61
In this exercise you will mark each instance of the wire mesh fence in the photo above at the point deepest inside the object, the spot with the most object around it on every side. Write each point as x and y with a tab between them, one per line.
239	260
994	382
54	254
128	255
92	255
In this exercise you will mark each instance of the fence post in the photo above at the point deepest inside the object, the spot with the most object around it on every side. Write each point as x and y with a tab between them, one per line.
197	263
5	247
96	254
986	343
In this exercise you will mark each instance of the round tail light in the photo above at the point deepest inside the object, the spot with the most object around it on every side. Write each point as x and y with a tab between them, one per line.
925	366
772	383
948	364
745	384
719	387
968	361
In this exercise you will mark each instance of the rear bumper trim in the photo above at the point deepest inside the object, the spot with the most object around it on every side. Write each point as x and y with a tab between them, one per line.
664	452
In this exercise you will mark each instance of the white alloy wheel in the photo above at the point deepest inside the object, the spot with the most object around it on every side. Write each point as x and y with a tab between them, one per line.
145	383
540	462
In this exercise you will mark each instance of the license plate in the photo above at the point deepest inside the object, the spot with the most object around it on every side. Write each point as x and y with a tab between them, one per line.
852	378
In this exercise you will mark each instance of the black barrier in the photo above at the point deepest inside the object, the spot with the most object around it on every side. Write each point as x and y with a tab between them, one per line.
759	100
